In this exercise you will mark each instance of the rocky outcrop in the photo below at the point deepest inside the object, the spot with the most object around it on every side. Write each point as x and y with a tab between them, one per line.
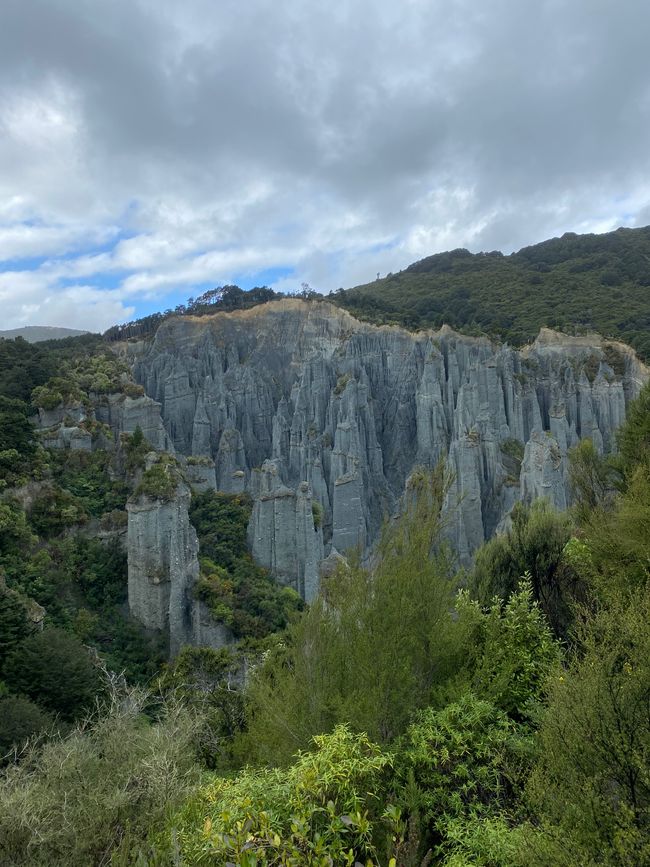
123	414
163	567
200	474
109	416
338	412
283	533
64	437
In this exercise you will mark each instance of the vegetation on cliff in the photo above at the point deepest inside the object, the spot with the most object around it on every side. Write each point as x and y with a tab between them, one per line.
237	591
62	588
576	283
573	283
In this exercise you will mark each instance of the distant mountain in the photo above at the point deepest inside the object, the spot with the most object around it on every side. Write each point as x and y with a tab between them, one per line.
38	333
574	283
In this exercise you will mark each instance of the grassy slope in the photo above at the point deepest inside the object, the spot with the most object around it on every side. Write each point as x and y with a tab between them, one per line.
576	282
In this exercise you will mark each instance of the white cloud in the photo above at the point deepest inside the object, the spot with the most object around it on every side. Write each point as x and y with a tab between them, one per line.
153	146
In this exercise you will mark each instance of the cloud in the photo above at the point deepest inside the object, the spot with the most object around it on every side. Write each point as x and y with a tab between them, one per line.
149	148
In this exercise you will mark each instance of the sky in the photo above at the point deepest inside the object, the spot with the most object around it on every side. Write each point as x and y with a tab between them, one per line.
151	149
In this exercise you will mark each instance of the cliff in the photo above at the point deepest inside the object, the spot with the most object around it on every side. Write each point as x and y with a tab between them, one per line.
300	403
163	568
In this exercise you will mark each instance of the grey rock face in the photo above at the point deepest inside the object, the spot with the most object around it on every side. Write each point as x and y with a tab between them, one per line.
206	631
59	427
163	568
48	418
338	412
201	474
282	533
124	414
63	437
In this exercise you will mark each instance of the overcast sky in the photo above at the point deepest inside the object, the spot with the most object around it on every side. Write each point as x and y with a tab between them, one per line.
150	149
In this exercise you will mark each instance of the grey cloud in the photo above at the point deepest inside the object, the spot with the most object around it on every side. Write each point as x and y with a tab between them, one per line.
327	131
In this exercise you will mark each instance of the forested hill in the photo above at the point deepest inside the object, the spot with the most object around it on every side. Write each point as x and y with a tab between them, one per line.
576	282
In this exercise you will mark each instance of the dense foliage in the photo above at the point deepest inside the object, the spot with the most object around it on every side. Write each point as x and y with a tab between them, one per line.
239	593
576	282
429	727
96	793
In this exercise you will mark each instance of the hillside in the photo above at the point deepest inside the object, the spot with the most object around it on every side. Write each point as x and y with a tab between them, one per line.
40	333
576	282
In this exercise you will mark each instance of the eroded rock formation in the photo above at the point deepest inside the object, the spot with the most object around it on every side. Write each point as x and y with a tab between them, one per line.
163	569
300	403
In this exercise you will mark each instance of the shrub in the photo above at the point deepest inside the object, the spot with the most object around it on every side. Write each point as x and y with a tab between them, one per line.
590	791
511	652
133	390
455	766
14	622
322	810
55	670
513	448
534	546
158	482
20	719
591	480
96	794
238	592
56	510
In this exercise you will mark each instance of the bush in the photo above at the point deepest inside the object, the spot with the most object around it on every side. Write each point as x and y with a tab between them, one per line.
511	652
55	511
20	719
16	431
15	534
238	592
158	482
87	477
55	670
97	793
590	791
634	437
322	810
591	480
454	766
533	546
14	622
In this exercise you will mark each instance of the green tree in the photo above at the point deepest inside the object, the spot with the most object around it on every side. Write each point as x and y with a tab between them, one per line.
613	553
634	437
16	539
54	511
591	479
15	430
454	767
533	546
376	645
14	622
55	670
511	652
590	791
